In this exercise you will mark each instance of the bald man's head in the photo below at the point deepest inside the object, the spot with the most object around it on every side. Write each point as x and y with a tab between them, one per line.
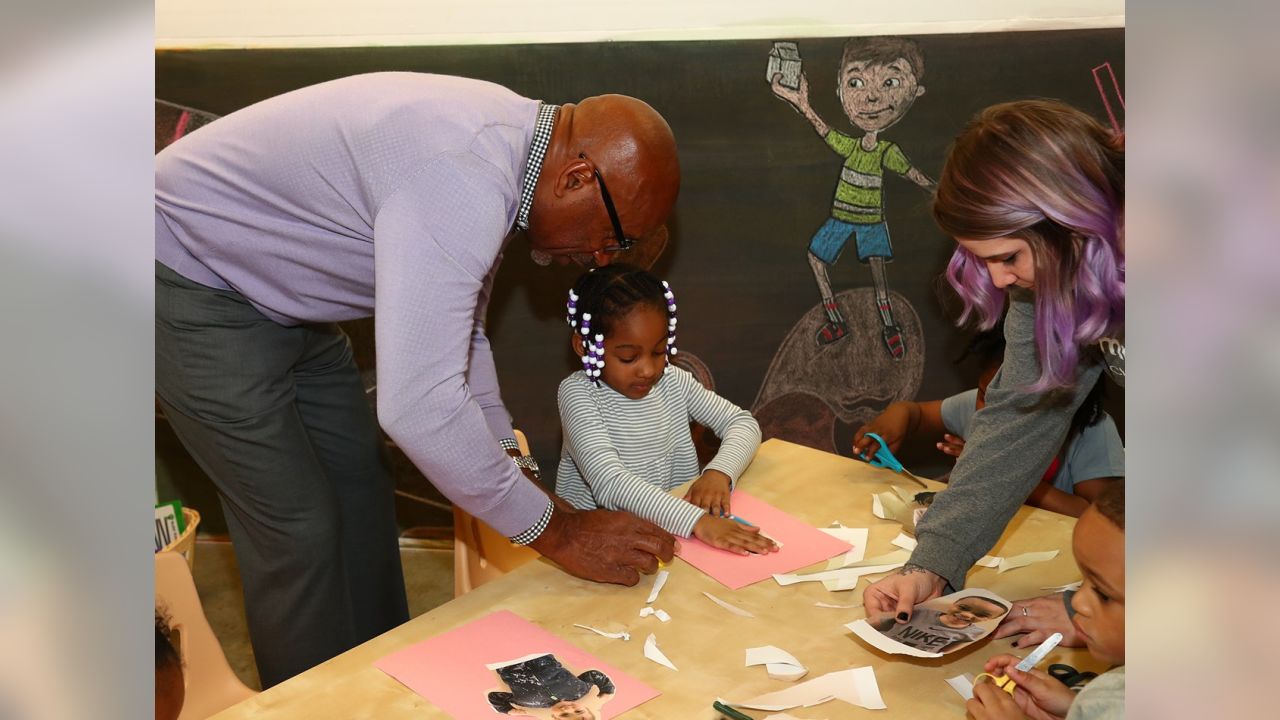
628	144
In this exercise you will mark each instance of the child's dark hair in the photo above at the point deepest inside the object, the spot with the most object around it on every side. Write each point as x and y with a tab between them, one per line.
166	654
610	292
988	347
1110	502
883	50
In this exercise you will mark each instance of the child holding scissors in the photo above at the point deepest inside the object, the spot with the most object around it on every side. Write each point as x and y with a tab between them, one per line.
626	416
1098	544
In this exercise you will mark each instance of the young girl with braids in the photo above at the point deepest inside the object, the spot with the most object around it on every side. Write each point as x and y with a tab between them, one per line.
626	416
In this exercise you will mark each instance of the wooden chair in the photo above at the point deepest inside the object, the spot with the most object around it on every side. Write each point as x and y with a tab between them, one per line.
480	553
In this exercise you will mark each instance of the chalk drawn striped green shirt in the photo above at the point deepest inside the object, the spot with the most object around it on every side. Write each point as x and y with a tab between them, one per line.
859	198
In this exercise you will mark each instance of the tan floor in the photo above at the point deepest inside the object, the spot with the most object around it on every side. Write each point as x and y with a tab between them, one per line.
428	576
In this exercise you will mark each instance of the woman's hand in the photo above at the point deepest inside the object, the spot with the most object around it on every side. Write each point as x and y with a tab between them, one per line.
894	424
898	593
711	493
732	536
1039	618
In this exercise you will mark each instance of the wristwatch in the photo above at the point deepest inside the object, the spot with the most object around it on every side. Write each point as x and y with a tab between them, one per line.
524	462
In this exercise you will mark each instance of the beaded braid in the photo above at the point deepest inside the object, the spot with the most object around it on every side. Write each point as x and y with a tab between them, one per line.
623	288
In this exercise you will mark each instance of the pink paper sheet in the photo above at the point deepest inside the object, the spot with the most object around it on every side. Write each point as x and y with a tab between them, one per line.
450	669
802	544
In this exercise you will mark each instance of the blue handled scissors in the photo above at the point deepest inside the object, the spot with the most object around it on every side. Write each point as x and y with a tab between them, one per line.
883	458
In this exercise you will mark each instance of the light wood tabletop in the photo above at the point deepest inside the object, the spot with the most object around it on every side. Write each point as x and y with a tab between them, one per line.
704	640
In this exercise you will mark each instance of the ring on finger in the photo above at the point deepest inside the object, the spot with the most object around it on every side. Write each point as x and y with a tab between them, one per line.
1024	611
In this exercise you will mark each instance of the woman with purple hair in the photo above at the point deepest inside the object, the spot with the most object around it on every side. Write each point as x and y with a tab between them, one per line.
1033	193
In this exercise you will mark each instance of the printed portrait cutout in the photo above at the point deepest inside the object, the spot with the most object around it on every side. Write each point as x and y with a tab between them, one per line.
540	686
937	627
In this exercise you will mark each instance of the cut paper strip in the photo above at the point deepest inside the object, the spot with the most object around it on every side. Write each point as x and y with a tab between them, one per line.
877	508
893	556
658	581
802	545
785	579
856	686
850	606
780	716
780	664
614	635
727	606
662	615
904	541
857	537
1063	588
652	652
1025	559
855	574
962	684
450	670
989	561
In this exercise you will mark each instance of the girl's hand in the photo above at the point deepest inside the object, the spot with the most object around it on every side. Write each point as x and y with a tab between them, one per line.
732	536
893	425
711	493
1039	617
952	445
1037	696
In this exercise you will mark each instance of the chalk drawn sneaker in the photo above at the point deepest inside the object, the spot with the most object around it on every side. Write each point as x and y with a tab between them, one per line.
892	335
831	332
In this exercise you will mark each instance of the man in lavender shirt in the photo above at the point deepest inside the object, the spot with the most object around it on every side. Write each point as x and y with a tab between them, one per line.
393	195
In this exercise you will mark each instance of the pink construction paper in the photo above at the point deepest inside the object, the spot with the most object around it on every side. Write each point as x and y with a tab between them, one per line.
802	544
449	670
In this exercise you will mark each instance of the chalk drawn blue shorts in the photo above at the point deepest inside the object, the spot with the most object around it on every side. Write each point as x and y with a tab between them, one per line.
872	240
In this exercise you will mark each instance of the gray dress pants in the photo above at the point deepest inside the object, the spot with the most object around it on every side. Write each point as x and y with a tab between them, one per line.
277	417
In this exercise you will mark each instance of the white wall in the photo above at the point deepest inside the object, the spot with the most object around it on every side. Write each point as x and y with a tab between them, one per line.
337	23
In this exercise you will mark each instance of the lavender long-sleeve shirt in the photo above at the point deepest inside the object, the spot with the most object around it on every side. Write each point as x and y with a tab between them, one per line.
389	194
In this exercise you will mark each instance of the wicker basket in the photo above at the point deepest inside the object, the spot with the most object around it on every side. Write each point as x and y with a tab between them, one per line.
186	542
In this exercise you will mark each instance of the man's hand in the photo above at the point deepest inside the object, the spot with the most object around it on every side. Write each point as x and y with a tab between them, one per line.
711	493
897	594
1039	617
894	424
604	545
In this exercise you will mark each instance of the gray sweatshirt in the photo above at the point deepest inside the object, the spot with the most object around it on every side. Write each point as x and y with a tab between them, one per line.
1012	441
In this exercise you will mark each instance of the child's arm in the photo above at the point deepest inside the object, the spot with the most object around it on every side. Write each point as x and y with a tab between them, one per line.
898	422
612	484
1048	497
897	161
738	431
1037	695
799	99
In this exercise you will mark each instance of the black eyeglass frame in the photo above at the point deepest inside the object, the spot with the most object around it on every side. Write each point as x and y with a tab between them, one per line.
624	243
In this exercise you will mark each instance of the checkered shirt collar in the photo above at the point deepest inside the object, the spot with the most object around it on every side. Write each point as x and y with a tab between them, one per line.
537	151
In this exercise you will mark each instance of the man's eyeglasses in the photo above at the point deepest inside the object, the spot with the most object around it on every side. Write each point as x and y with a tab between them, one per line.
624	242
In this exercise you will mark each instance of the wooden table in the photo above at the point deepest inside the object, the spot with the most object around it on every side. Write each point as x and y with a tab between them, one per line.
703	640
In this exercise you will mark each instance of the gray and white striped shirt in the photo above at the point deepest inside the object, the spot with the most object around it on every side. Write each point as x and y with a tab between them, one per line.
624	454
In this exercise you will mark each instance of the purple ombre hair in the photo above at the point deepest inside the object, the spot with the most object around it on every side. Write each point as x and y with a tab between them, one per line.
1049	174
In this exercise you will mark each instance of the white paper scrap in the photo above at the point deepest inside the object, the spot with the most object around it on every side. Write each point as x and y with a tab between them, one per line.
727	606
989	561
1017	561
863	629
662	615
614	635
904	541
658	581
1063	588
780	716
646	611
857	537
877	508
845	561
962	684
856	686
780	664
652	652
850	606
849	580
